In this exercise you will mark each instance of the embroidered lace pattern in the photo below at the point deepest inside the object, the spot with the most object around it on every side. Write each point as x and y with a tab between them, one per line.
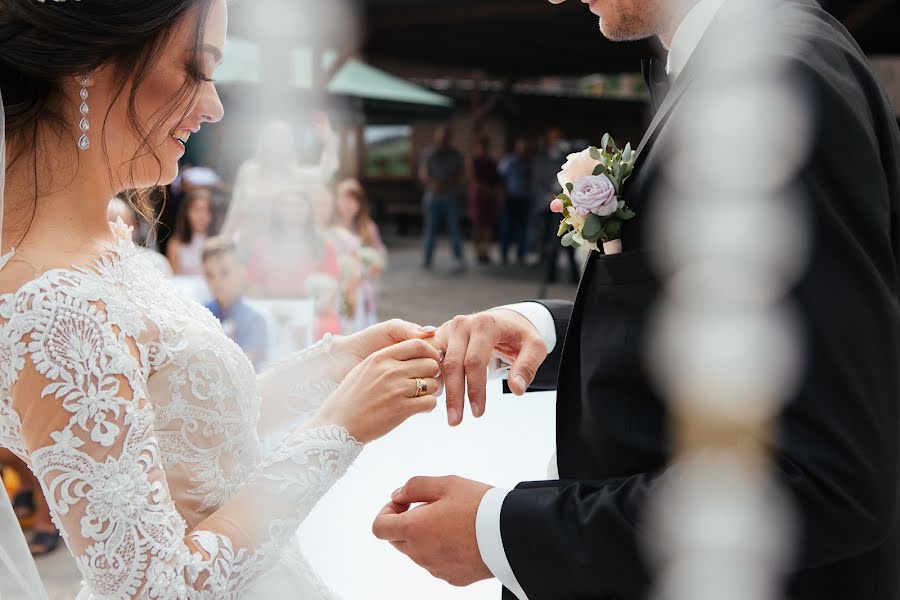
143	422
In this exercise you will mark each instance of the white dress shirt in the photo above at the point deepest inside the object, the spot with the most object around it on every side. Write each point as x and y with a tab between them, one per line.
487	522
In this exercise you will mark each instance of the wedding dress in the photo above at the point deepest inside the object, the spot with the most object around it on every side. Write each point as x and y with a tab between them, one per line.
145	423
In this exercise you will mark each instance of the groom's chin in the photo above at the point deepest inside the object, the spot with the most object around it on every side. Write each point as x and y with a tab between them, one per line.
615	30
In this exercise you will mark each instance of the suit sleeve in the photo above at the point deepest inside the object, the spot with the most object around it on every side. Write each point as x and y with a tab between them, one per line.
546	377
836	454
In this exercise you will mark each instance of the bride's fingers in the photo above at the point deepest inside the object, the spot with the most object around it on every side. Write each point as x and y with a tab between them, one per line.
398	330
411	350
422	404
408	387
419	367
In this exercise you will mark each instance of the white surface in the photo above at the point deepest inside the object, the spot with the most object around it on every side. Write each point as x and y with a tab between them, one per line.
510	444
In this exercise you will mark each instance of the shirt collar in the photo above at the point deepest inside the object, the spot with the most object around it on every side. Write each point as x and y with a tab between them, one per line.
689	34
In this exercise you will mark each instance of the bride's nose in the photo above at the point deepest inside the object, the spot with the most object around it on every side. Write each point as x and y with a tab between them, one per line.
210	106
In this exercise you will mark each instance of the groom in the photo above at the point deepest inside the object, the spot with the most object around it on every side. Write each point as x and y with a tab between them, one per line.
837	450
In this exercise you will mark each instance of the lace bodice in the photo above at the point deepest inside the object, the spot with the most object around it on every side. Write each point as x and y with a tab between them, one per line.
143	422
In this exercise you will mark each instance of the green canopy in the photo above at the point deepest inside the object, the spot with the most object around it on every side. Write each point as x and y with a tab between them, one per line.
243	64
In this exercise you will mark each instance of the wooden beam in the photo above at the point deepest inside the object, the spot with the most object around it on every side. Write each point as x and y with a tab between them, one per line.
338	64
507	57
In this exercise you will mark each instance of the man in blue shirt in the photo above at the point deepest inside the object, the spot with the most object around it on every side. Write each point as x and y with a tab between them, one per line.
515	170
442	172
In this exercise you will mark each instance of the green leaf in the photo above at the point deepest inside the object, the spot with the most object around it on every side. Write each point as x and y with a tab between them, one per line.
564	198
627	153
595	153
563	228
613	230
568	239
592	229
599	170
604	143
570	187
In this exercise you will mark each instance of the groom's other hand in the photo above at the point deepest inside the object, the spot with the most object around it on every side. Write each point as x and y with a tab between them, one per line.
439	535
469	343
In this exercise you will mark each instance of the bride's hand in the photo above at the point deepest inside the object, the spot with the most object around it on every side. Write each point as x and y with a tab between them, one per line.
380	393
353	349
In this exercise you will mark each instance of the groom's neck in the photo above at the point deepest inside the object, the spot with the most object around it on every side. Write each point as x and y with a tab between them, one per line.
678	10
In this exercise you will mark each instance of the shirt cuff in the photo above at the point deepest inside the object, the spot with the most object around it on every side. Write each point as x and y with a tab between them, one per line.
490	540
540	317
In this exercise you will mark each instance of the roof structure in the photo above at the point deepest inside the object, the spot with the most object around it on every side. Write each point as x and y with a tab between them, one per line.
530	38
353	78
510	38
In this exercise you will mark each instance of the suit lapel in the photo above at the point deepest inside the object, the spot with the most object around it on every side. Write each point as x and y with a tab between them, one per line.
682	83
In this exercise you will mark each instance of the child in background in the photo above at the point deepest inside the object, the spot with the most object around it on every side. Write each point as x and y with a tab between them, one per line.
353	212
195	217
226	277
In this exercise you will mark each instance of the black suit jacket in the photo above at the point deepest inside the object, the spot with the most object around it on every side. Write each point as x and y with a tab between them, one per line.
837	453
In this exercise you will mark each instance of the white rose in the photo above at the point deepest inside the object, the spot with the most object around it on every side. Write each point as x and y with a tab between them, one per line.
577	165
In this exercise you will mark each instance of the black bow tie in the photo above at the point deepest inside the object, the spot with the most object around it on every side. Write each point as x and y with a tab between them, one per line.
657	80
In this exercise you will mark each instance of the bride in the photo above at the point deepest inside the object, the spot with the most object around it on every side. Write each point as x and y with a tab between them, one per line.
141	419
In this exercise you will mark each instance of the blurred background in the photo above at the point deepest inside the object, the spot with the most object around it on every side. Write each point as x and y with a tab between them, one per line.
395	158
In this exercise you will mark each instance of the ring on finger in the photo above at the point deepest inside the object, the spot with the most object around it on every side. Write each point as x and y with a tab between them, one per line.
421	387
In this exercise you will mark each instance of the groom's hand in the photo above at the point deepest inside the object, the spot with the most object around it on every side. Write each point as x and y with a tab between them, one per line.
439	535
469	343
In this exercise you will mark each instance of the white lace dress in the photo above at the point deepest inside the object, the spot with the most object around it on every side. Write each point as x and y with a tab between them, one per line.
144	423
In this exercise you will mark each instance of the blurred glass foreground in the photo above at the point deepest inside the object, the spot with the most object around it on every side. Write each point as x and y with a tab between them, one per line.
726	347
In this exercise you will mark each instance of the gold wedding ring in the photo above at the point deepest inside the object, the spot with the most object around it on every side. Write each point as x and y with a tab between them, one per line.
421	387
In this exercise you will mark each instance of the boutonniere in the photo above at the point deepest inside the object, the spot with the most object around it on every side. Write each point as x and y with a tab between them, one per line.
592	205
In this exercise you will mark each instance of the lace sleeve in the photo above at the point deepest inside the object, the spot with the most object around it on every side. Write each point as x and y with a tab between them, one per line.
87	425
294	389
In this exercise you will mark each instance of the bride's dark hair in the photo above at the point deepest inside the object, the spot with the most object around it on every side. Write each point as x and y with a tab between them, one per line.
44	43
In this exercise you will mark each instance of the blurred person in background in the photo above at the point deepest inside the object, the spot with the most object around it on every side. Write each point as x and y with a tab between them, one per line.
354	215
546	166
190	178
192	229
30	506
515	212
484	198
119	209
353	212
348	245
227	279
275	167
442	171
295	261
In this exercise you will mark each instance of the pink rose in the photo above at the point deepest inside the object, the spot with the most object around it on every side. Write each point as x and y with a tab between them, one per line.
556	205
594	194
